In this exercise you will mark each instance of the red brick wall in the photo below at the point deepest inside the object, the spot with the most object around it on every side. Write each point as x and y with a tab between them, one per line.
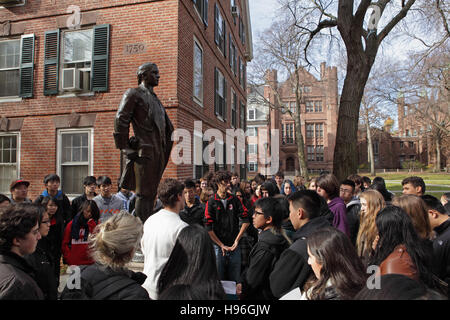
167	28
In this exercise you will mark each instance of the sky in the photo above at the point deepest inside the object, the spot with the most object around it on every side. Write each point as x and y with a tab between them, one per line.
261	14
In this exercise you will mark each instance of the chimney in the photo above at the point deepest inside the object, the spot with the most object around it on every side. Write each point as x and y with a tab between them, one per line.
322	70
271	75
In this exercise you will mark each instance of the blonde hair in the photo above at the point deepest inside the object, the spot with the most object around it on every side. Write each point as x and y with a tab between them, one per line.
415	207
114	240
367	227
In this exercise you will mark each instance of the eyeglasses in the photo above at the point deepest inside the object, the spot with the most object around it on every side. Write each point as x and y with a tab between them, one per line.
345	191
46	221
258	212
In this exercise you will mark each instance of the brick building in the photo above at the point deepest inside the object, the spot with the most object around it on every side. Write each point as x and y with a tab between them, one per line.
413	141
318	112
63	73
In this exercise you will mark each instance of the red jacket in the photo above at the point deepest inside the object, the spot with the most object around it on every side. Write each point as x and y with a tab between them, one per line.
75	252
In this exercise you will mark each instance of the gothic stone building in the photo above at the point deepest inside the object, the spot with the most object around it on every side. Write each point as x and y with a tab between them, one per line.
318	112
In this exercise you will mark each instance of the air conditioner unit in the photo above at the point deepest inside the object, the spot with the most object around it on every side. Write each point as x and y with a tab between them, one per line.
235	11
72	79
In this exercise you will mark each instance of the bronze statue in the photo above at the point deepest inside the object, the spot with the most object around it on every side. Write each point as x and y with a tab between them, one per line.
149	149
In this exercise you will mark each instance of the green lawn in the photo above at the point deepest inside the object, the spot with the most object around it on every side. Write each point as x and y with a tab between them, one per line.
441	180
441	177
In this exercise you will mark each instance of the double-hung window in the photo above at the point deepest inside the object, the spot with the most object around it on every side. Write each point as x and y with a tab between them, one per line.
220	31
74	159
232	56
242	115
252	166
76	60
220	96
9	68
198	72
17	67
202	8
252	148
251	114
9	158
233	109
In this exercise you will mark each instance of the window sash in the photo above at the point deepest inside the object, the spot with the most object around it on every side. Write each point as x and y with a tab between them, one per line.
9	161
198	71
77	46
75	150
10	54
251	114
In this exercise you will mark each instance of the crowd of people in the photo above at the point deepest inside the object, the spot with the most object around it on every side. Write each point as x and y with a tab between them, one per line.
270	238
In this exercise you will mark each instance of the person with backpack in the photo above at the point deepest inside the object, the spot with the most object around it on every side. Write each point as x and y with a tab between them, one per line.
272	241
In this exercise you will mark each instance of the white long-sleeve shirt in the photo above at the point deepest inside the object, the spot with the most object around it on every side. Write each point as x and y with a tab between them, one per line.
160	234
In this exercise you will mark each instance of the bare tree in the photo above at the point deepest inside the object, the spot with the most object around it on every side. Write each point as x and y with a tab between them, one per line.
424	88
281	49
370	115
362	41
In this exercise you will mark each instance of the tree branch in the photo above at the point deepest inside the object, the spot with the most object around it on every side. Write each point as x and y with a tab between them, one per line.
322	25
402	13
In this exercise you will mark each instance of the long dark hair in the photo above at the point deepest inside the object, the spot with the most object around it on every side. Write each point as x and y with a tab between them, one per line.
340	264
395	227
193	262
80	221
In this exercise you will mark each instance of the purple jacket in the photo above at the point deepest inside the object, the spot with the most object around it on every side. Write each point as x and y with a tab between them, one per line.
337	206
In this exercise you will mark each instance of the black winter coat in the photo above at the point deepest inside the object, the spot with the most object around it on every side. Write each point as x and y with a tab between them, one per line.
103	283
325	210
17	279
353	210
76	205
292	269
194	214
43	264
262	259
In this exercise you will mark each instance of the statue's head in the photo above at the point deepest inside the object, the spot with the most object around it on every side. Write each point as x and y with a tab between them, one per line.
146	67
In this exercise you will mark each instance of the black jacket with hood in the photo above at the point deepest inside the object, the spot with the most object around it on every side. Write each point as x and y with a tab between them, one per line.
262	259
292	269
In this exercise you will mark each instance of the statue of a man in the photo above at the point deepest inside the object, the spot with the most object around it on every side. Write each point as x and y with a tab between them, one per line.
149	149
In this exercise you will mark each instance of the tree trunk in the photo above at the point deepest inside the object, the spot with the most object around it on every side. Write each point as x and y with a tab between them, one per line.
345	161
370	148
438	154
301	151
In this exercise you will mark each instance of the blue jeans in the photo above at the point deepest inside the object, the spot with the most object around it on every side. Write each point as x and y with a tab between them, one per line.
228	265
